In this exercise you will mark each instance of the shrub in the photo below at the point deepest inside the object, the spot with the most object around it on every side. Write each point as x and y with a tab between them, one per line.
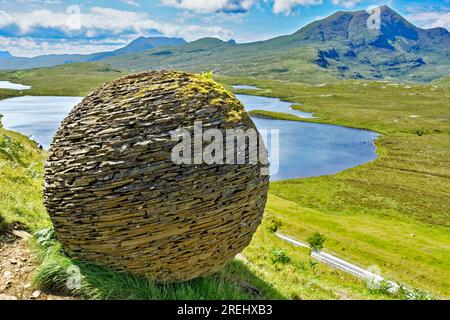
10	149
274	225
383	287
104	68
417	294
316	241
45	237
280	256
32	171
401	292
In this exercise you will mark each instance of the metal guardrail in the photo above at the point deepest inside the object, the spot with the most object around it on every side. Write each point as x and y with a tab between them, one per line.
341	264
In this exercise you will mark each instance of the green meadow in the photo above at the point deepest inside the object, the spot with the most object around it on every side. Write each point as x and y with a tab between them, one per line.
443	81
21	168
65	80
256	274
391	214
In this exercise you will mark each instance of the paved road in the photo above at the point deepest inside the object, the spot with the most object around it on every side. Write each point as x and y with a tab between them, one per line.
338	263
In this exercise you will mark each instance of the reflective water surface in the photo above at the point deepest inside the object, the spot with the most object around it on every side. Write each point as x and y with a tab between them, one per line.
36	117
245	87
13	86
270	104
305	149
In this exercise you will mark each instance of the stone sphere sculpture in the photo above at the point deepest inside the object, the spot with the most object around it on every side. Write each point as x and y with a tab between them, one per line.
117	198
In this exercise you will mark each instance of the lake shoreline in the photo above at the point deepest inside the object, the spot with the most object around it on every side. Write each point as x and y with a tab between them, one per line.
36	117
312	159
255	114
315	119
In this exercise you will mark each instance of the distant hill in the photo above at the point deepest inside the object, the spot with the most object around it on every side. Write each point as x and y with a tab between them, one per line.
443	81
340	46
141	44
83	77
5	54
257	59
398	49
138	45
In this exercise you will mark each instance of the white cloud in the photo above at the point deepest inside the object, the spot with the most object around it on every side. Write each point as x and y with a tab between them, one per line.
431	19
131	3
29	47
210	6
5	19
99	20
346	3
287	6
100	29
40	1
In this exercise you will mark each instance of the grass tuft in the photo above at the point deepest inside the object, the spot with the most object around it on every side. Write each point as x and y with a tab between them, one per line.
59	273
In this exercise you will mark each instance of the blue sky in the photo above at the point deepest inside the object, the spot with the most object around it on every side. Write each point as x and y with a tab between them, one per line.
34	27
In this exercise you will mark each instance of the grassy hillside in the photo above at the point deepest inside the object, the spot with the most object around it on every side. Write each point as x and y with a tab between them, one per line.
77	79
257	274
392	212
306	62
21	168
255	60
443	81
267	269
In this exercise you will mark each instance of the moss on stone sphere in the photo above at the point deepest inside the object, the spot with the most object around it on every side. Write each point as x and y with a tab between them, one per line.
116	198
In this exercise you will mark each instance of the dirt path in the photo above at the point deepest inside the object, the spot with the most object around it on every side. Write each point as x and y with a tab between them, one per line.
17	265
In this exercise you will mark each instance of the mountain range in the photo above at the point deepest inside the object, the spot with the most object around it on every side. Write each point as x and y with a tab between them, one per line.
341	46
9	62
5	54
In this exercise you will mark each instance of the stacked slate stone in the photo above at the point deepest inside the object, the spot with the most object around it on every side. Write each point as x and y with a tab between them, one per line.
116	198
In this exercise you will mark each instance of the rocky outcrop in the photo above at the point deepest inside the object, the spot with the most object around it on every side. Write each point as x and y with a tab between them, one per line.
323	55
116	198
